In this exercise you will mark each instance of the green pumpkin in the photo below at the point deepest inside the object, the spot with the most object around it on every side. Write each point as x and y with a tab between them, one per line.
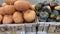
38	6
46	8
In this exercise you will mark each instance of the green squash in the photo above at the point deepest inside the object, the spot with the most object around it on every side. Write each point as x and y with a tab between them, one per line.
46	8
38	6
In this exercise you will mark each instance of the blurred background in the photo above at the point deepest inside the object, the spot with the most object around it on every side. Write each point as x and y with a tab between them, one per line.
31	1
1	1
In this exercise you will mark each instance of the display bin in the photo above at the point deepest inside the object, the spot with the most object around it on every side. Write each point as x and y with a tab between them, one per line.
51	28
15	29
54	28
48	27
2	29
30	28
42	28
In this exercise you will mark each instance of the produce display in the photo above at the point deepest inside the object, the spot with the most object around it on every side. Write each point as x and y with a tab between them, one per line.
22	11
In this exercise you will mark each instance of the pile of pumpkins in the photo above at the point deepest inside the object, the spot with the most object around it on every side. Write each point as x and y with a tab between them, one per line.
48	11
16	11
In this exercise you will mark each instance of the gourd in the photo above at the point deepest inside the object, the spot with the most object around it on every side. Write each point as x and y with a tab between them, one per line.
17	17
29	15
7	19
9	9
44	14
38	6
46	8
55	12
57	8
22	5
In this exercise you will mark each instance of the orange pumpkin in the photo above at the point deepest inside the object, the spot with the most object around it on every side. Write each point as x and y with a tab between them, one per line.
29	15
22	5
9	9
7	19
17	17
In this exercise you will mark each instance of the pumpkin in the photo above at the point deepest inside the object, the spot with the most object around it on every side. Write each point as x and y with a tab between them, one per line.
7	19
46	8
9	9
22	5
57	8
39	6
29	15
55	12
44	14
17	17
